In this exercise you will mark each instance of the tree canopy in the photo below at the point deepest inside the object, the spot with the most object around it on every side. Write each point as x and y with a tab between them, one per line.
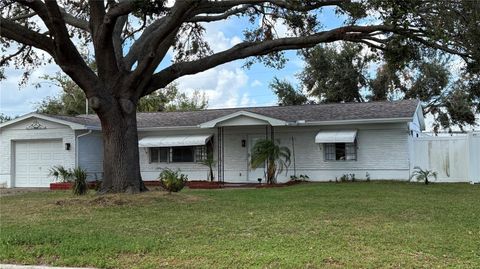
342	73
131	38
72	101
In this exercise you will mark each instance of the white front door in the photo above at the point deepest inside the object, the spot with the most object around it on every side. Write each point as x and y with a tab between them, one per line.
259	172
33	159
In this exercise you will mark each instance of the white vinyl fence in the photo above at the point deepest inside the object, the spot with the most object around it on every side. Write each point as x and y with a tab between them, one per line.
454	158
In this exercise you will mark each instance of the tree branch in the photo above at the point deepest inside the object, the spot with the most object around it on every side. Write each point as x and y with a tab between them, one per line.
102	34
5	59
248	49
22	34
223	16
66	54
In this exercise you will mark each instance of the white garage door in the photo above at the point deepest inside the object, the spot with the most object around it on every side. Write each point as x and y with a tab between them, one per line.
33	159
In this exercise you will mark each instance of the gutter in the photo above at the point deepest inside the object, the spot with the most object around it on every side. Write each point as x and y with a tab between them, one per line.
360	121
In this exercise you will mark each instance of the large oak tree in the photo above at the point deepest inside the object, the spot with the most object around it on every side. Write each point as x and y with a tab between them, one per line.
130	38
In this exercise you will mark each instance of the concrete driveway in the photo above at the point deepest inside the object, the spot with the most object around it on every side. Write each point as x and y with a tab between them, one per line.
16	191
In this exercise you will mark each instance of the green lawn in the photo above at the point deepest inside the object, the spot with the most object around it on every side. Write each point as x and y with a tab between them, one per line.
395	225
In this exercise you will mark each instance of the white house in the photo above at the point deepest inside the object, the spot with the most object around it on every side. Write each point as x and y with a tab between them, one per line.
326	141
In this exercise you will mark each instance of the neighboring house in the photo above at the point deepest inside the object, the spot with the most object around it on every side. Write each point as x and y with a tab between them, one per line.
326	141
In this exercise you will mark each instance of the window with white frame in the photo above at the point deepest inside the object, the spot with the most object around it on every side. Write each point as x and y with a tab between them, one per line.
178	154
159	155
341	152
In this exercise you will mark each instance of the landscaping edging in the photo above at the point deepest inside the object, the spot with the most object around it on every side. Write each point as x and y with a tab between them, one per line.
68	185
204	185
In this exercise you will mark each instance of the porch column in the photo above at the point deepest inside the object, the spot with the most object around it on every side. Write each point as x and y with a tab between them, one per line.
220	155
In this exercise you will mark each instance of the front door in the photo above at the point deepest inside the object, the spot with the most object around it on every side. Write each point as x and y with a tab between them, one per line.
259	172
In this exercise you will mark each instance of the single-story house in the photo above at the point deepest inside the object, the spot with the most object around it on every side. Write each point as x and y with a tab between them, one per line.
371	140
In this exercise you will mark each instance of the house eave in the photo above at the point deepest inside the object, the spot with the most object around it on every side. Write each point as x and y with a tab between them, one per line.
74	126
167	128
357	121
269	120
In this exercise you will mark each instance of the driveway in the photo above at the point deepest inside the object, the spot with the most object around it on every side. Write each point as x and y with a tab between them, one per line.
16	191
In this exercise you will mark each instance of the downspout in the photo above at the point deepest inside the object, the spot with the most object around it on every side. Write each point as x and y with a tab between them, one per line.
76	145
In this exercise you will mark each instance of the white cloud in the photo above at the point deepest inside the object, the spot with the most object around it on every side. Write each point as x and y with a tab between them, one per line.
256	83
18	101
219	42
222	85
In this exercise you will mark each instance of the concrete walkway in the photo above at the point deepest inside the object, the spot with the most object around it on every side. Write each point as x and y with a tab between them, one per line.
14	266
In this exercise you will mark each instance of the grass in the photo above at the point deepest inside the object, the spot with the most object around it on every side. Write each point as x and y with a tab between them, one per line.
393	225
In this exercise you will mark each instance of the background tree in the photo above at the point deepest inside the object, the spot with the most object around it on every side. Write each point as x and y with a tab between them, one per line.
4	118
338	75
72	100
287	95
333	75
131	38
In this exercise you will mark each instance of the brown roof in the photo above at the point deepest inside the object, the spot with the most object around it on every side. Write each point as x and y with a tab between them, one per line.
309	113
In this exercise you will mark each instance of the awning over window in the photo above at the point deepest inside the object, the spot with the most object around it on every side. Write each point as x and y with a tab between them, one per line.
174	141
346	136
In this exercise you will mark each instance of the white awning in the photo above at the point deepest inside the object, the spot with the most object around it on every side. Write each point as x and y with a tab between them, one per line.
174	141
346	136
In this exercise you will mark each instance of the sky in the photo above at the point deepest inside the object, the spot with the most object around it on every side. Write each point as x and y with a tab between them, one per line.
228	85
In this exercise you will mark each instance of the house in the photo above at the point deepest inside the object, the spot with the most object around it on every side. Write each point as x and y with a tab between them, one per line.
327	141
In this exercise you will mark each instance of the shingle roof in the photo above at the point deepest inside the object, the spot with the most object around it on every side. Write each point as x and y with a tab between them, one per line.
309	113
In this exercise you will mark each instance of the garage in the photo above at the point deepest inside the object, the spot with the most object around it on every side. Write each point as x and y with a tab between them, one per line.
33	159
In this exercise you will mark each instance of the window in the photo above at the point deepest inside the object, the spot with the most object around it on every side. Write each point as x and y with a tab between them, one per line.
201	153
178	154
182	154
159	155
341	152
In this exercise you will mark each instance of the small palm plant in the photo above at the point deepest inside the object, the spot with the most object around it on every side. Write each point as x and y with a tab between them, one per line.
80	186
61	173
270	152
210	163
423	175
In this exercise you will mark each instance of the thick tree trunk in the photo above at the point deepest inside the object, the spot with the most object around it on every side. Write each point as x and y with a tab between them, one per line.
121	164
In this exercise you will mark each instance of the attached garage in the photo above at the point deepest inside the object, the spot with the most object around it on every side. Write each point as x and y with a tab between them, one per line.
32	144
34	158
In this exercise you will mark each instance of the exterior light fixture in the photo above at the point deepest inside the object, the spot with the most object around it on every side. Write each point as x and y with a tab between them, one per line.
67	146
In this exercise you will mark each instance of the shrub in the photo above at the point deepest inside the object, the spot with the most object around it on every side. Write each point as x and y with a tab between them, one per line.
61	174
172	181
300	178
347	178
98	185
423	175
80	186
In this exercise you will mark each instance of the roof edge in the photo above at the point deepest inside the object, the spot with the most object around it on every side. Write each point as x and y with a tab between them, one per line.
73	125
356	121
270	120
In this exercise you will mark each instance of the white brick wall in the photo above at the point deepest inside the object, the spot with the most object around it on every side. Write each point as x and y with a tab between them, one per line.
382	152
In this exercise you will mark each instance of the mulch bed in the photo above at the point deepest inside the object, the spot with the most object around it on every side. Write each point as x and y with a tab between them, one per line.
194	184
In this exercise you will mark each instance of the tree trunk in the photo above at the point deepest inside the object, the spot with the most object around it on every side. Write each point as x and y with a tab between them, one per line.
121	163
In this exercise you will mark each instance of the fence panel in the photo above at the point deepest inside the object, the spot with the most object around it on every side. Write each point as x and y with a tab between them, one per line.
454	158
474	152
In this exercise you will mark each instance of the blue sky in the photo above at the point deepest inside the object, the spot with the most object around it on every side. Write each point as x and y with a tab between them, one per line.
229	85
